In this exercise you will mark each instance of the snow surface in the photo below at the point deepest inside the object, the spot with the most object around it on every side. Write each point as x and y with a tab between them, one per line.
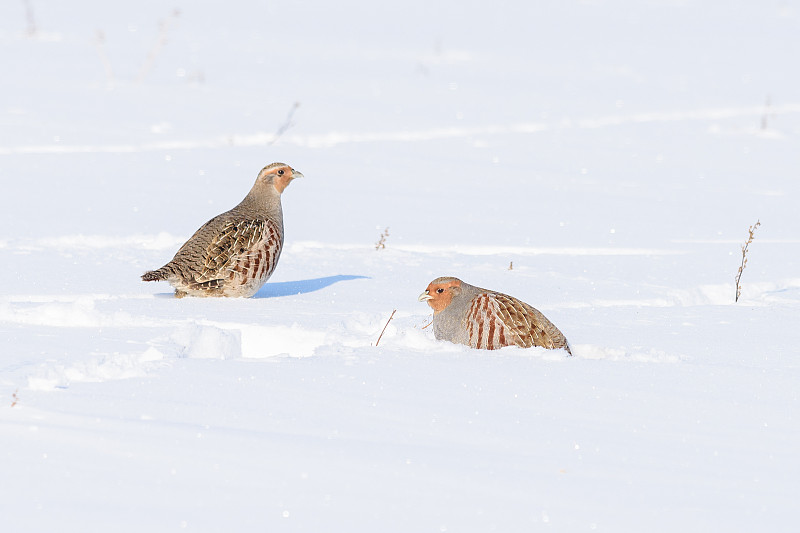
615	152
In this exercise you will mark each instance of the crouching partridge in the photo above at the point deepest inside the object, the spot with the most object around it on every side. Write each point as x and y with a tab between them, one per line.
486	319
234	253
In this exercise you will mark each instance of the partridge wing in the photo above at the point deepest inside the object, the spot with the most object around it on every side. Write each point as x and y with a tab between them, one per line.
234	241
524	325
485	325
258	261
496	320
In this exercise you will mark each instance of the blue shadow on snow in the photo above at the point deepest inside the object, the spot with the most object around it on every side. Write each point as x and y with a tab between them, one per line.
290	288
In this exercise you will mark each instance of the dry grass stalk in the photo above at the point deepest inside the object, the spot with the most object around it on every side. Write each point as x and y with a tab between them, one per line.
286	124
386	326
31	31
100	42
163	29
381	244
511	265
767	114
745	248
15	397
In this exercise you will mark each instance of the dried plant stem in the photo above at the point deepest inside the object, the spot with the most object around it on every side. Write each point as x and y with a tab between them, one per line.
100	41
286	124
745	248
386	326
767	113
381	244
31	31
15	397
163	28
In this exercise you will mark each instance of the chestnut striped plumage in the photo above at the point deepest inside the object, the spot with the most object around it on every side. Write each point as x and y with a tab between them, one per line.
486	319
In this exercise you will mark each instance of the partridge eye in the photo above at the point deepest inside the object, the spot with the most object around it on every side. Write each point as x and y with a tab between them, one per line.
440	291
280	173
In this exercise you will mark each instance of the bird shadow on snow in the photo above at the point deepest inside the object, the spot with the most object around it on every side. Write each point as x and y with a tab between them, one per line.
290	288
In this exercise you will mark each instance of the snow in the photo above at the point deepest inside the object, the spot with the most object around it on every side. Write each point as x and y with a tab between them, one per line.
613	153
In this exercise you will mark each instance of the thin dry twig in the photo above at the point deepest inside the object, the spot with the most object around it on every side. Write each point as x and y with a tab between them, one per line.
386	326
31	31
767	114
381	244
163	28
286	124
745	248
99	42
15	397
511	265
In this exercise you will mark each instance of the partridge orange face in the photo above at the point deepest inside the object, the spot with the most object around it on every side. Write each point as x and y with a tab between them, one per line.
440	293
280	175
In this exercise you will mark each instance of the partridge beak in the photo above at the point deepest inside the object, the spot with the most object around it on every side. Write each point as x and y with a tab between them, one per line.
424	297
296	174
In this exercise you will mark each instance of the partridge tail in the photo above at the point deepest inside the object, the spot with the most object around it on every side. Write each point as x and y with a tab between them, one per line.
154	275
558	339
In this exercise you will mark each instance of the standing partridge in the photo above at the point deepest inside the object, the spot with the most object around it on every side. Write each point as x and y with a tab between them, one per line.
485	319
234	253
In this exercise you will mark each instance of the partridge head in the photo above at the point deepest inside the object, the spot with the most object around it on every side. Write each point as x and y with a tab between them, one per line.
486	319
234	253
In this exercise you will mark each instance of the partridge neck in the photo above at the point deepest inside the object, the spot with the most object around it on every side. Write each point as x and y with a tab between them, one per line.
262	202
